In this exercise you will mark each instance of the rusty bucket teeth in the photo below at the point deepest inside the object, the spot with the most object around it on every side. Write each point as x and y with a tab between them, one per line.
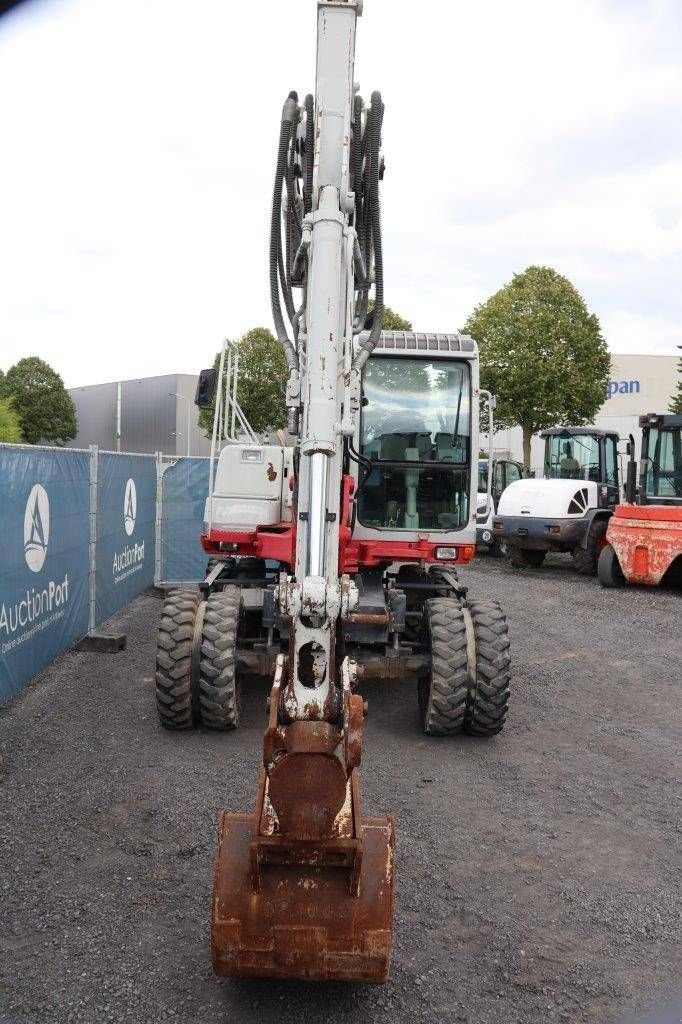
320	910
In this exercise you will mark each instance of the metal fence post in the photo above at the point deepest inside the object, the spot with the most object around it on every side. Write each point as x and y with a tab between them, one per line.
92	545
158	520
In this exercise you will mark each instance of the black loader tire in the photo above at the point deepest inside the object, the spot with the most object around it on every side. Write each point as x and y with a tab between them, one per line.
585	558
442	690
525	558
495	548
608	568
488	696
176	693
219	696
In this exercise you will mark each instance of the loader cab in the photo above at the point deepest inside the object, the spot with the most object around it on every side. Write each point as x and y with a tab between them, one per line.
661	461
581	453
415	435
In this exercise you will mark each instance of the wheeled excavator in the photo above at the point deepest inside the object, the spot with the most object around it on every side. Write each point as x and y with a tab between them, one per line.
334	560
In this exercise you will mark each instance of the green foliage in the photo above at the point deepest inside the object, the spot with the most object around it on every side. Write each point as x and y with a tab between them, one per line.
542	353
10	425
676	401
42	403
392	321
261	385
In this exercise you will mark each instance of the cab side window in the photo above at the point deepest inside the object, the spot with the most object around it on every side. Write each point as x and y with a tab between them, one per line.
513	472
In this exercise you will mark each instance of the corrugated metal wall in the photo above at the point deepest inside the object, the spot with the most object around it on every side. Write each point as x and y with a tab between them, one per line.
151	419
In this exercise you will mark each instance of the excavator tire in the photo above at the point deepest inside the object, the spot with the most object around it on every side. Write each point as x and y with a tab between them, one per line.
443	690
585	558
219	696
488	697
525	558
176	692
608	568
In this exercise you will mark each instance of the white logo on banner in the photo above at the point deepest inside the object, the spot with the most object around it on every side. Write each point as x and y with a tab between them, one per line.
130	507
36	527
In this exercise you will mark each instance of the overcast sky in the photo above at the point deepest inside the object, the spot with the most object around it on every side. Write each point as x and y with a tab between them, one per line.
139	137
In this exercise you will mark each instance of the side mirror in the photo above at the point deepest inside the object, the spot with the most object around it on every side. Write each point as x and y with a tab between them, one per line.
206	388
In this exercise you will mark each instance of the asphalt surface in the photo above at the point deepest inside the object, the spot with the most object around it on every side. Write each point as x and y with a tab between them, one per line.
537	873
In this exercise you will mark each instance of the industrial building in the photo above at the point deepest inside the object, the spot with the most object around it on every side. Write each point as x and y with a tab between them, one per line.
149	415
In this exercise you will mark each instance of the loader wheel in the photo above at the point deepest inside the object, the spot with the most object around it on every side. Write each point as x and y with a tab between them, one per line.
585	558
443	691
608	568
176	691
525	558
488	696
219	700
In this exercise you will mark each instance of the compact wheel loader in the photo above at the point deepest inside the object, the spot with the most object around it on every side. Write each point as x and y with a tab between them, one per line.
334	561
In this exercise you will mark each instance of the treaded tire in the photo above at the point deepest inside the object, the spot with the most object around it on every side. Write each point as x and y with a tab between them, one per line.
219	697
443	691
608	568
525	558
176	697
585	558
488	700
495	548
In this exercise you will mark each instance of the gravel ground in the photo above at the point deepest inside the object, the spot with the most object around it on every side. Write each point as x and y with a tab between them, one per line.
536	873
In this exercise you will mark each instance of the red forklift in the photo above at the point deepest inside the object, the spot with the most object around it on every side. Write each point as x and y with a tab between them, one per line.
644	536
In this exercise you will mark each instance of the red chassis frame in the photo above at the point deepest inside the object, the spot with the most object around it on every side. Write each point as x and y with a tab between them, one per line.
278	543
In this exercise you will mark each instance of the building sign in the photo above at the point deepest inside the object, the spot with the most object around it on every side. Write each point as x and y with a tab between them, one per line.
622	387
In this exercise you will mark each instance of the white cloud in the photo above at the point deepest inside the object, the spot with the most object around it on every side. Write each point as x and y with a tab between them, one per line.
139	146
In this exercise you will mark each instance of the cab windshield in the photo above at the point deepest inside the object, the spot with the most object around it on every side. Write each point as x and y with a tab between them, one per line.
415	430
482	477
572	458
664	464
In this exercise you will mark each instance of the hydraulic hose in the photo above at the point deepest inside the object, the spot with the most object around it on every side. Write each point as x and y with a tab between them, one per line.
289	113
309	154
376	118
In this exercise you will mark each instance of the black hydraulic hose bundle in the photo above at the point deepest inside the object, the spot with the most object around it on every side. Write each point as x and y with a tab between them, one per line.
289	118
309	155
373	213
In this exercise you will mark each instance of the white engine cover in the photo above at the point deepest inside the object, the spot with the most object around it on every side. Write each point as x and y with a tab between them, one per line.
481	503
548	499
248	488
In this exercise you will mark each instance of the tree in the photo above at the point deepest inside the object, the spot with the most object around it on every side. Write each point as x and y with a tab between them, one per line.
10	425
392	321
676	400
542	354
42	403
263	376
261	385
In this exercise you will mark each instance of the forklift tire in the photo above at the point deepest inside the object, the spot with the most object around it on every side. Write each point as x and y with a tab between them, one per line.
608	568
585	558
176	691
219	697
525	558
488	697
443	690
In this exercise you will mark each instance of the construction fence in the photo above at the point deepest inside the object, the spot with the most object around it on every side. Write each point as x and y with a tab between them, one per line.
83	533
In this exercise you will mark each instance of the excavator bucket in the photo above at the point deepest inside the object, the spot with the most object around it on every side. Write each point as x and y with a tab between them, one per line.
319	909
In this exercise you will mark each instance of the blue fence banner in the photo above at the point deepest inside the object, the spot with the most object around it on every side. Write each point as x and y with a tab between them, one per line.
126	514
44	565
184	491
